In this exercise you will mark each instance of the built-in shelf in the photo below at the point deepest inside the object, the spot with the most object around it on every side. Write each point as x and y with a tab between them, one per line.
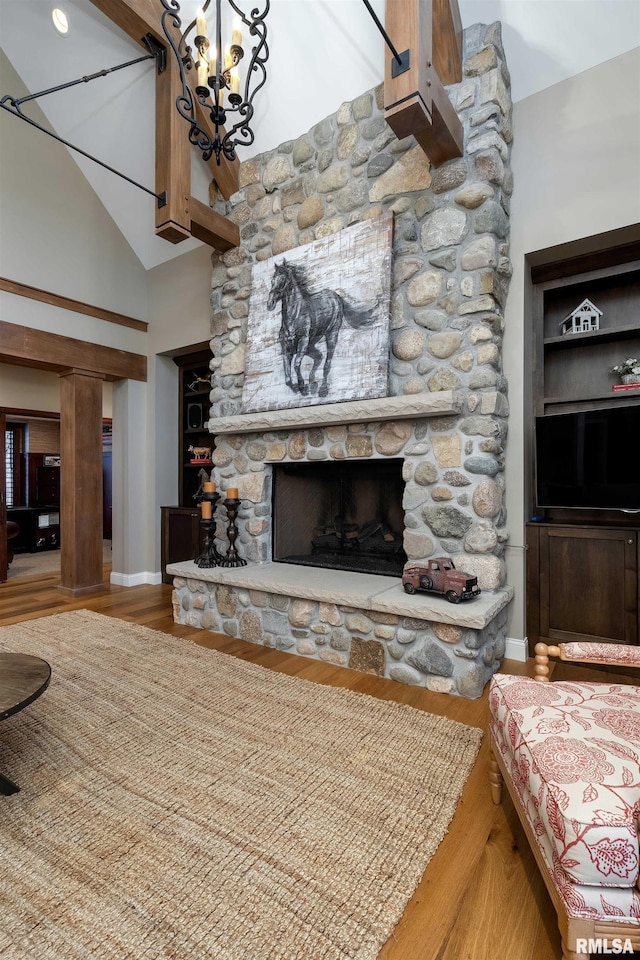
611	395
608	333
595	547
192	426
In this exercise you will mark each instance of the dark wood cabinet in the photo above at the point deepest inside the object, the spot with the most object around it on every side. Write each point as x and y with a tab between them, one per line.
43	481
181	536
582	554
107	495
582	583
39	528
47	486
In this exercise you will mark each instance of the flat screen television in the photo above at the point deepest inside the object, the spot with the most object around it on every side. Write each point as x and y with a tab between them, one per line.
589	460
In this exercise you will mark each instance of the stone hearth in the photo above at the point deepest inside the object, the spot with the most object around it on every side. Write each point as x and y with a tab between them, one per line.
357	620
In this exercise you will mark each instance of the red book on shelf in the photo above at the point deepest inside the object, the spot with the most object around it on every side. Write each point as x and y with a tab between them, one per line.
626	386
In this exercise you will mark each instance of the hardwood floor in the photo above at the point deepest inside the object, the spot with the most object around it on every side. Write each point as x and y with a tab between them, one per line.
481	897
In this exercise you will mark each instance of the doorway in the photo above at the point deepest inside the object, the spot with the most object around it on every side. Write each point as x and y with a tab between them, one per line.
31	471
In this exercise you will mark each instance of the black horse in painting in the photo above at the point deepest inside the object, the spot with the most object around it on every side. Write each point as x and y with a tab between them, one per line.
308	318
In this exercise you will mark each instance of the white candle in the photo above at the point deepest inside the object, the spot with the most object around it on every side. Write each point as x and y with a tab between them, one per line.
201	23
227	58
212	63
234	82
236	33
203	72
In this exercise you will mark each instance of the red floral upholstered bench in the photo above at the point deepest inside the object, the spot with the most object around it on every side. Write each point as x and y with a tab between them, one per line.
569	754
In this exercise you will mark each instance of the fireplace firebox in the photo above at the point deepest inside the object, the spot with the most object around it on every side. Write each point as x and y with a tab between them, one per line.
346	515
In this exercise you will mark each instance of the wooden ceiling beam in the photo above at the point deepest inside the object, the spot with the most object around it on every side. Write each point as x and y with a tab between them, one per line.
137	18
416	101
211	227
173	158
29	347
447	41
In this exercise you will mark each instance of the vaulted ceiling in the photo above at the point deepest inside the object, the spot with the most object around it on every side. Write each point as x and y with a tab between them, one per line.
323	52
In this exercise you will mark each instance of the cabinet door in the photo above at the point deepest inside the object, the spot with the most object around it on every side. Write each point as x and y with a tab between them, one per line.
588	584
48	486
181	536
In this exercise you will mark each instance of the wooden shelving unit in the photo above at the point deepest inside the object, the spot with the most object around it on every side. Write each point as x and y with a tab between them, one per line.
193	413
181	535
575	369
582	564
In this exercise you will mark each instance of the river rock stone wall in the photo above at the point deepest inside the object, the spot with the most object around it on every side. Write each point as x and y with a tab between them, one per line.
451	263
443	657
450	279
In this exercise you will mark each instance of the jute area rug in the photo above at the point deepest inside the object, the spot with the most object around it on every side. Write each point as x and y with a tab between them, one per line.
180	803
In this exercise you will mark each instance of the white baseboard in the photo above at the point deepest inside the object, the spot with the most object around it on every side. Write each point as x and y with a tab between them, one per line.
135	579
517	649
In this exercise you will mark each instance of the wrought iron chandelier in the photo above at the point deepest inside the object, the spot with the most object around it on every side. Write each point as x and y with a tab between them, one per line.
219	88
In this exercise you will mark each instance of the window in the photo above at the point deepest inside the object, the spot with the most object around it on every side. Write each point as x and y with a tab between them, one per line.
9	466
14	440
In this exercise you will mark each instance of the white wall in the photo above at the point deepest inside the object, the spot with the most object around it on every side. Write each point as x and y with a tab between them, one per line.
576	166
179	315
25	388
57	236
178	298
55	233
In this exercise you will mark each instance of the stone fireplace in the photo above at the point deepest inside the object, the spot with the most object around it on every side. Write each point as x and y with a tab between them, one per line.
415	474
340	514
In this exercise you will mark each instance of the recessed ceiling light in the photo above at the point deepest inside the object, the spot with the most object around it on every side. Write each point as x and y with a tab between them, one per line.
60	21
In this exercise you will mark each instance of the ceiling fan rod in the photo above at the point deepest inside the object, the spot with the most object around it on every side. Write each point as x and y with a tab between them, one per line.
13	104
92	76
401	61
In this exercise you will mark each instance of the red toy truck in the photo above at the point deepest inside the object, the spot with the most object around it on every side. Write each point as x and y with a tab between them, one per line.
441	576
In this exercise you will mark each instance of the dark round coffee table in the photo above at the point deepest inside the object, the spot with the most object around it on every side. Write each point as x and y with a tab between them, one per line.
22	679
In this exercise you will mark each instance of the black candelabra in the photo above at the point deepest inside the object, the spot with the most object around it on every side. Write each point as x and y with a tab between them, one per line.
232	559
210	555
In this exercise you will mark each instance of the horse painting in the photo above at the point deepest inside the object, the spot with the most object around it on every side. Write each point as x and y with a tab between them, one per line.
307	319
318	322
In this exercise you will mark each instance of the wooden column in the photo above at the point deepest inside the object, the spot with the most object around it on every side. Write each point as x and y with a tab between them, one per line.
81	483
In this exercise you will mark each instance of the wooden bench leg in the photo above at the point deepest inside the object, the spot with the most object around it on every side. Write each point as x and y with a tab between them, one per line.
495	779
571	955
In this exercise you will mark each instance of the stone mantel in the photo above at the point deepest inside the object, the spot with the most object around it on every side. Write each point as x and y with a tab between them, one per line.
357	590
437	404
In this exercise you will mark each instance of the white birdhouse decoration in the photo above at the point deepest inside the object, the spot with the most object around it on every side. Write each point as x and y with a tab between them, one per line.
584	319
